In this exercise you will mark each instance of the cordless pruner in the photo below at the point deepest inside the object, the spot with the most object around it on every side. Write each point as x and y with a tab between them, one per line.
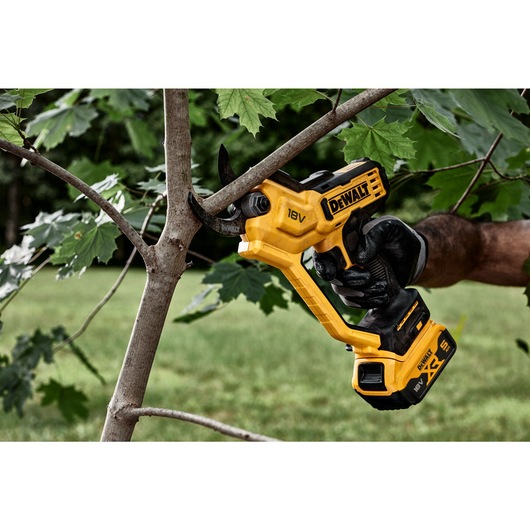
399	351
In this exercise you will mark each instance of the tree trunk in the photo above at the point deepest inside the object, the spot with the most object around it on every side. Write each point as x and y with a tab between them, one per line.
132	382
165	264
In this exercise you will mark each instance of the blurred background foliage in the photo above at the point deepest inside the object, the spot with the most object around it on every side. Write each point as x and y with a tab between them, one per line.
96	133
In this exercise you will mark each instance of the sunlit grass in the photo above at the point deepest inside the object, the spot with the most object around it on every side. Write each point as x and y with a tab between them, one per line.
279	375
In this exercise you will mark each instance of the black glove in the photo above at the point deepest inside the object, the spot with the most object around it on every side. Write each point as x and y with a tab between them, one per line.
403	250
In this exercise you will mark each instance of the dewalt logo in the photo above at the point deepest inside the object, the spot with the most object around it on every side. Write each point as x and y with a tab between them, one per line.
429	365
346	199
424	360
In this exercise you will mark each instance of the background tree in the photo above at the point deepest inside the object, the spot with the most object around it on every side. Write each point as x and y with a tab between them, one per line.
442	149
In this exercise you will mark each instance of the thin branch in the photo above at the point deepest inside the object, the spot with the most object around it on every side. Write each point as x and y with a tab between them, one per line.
99	306
13	295
400	179
479	172
116	285
46	164
483	165
448	168
506	177
264	169
196	254
337	101
223	428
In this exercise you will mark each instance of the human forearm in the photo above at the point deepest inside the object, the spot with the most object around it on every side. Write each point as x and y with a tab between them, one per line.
486	252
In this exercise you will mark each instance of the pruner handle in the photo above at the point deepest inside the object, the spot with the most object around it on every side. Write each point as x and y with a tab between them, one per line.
292	267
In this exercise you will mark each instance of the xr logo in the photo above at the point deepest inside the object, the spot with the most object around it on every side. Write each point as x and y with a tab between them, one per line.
431	368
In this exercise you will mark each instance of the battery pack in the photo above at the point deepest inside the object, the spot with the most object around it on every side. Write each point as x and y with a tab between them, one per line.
400	377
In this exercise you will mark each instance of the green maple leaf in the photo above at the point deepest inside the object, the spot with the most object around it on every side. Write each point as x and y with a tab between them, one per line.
382	142
9	124
296	97
236	280
450	186
91	173
26	96
497	198
248	104
427	102
28	351
124	100
87	241
49	229
492	109
15	267
142	137
15	387
8	100
70	401
58	123
274	297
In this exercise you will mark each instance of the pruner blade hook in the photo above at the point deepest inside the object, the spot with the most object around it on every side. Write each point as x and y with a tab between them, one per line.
235	224
231	227
226	173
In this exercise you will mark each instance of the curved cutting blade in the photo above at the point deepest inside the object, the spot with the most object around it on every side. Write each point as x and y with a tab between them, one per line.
231	227
226	174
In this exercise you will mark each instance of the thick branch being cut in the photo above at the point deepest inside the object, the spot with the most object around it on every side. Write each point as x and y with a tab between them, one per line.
257	174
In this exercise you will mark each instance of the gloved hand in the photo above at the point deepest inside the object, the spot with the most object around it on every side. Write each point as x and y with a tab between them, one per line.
403	249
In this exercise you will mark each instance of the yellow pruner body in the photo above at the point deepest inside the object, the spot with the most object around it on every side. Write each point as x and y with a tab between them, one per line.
399	350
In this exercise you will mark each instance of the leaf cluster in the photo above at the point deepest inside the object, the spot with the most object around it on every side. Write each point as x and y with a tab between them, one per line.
18	372
431	142
235	277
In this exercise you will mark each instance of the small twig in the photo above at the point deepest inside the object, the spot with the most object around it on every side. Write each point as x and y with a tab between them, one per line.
208	260
400	179
99	306
23	283
480	170
37	255
506	177
223	428
116	285
454	166
337	101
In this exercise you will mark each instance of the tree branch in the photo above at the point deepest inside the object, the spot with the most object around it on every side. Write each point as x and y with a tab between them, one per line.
115	286
46	164
483	165
178	161
264	169
401	178
15	293
479	172
223	428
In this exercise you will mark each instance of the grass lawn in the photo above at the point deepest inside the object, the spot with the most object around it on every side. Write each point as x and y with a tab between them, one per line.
279	375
